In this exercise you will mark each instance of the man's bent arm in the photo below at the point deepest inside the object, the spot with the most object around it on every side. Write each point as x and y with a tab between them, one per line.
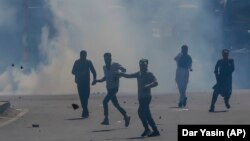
133	75
101	80
92	69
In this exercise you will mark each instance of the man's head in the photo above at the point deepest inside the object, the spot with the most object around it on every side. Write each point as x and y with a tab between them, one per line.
184	49
143	65
83	55
107	58
225	53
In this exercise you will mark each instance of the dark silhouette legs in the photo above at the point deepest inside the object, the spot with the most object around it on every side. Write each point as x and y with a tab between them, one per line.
146	117
84	92
226	96
183	98
111	96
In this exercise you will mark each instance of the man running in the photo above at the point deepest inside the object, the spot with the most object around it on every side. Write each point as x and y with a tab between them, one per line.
184	65
111	71
223	73
145	81
81	70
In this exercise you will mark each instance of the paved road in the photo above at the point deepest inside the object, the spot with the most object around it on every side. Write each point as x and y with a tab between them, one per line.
59	122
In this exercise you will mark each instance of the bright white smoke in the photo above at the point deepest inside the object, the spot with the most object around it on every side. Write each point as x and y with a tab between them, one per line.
100	26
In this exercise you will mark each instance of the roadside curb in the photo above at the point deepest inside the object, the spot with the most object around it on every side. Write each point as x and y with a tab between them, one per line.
4	105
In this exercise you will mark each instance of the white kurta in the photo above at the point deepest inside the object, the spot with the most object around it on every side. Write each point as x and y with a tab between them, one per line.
181	78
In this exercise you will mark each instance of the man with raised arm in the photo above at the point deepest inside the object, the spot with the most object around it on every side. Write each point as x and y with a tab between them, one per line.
145	81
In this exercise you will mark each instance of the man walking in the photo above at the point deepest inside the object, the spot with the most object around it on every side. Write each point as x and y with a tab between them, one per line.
223	73
81	70
111	71
145	81
184	65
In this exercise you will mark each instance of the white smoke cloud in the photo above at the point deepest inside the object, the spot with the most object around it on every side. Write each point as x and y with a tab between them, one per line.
99	26
81	24
50	78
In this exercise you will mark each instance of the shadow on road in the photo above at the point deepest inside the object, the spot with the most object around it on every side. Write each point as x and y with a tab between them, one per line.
107	130
223	111
75	119
136	138
132	138
174	107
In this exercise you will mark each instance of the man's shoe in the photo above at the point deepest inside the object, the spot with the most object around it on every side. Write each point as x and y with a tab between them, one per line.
185	102
146	133
180	105
127	121
211	110
105	122
228	106
85	116
154	134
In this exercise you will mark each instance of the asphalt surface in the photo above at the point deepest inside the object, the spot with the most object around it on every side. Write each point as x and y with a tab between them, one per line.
59	122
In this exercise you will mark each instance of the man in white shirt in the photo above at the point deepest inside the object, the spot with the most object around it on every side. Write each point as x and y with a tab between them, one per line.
111	76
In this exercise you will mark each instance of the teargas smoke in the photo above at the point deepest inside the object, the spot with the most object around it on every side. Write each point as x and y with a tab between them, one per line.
57	30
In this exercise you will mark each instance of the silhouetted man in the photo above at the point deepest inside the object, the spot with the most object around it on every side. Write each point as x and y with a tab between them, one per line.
145	81
184	65
223	73
81	70
111	71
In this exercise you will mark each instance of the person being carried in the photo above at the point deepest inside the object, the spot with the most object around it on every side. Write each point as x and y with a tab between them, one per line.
111	71
145	81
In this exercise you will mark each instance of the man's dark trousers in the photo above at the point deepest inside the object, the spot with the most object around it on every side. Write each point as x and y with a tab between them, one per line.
112	96
84	92
145	114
